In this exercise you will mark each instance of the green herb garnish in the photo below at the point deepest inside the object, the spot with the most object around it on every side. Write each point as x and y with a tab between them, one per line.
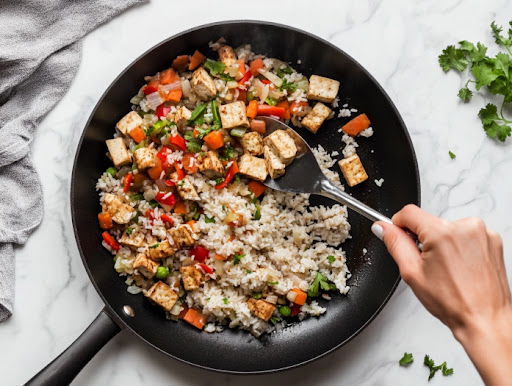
289	86
218	180
320	282
112	171
272	282
257	295
257	214
433	369
215	112
217	69
237	258
225	300
227	153
406	360
136	197
153	203
452	155
331	259
275	320
198	111
285	70
129	231
154	245
285	311
194	145
208	220
271	101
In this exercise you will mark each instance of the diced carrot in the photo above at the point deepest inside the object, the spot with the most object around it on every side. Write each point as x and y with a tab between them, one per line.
181	62
156	171
168	76
195	318
191	223
189	163
196	60
138	180
232	237
137	134
105	220
284	104
256	64
180	207
242	95
183	312
356	125
252	109
195	133
220	257
153	83
241	66
214	140
174	95
298	108
257	188
300	297
258	126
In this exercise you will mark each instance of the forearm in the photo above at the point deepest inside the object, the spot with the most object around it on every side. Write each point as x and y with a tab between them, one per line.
489	345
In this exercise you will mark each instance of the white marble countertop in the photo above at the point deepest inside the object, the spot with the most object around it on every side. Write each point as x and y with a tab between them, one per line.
398	42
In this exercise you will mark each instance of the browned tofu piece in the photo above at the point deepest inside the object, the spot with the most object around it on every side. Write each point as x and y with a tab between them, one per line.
261	308
132	240
118	151
316	117
322	89
144	158
186	190
163	295
282	145
211	165
253	167
233	115
181	117
120	212
162	249
145	266
252	143
275	167
202	84
353	170
182	236
129	122
191	277
227	55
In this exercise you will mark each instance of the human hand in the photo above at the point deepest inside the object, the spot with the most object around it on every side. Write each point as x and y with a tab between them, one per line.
459	276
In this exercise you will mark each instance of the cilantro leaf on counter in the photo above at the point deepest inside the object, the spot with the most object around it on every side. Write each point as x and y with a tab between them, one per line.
492	73
433	369
451	154
406	360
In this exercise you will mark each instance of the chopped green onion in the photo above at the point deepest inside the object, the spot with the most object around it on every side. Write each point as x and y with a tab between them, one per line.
129	231
112	171
162	272
271	101
331	259
225	300
272	282
215	112
209	220
198	111
237	132
285	310
154	245
257	295
218	180
237	258
274	320
257	214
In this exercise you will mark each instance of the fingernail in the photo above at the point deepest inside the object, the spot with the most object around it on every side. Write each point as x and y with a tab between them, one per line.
378	231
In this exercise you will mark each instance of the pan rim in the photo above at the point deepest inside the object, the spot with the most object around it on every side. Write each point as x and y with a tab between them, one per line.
114	314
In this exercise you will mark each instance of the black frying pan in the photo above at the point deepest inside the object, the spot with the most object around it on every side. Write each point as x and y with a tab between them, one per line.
232	351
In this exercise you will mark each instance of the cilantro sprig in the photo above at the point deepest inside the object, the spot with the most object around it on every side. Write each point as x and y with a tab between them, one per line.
492	73
320	282
433	369
406	360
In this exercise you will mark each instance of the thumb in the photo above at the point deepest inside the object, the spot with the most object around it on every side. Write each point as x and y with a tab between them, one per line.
400	245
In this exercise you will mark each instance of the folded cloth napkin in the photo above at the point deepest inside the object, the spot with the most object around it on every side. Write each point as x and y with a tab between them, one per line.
39	56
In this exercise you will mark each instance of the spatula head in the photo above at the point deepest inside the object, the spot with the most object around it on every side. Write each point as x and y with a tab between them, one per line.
303	175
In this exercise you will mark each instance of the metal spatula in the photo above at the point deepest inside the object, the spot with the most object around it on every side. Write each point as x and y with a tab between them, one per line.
304	175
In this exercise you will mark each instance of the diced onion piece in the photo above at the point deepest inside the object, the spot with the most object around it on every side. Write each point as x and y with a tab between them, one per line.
153	100
171	86
271	76
271	299
291	296
219	267
232	84
185	87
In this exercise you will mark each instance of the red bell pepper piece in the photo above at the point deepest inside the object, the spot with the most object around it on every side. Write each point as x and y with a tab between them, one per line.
271	110
169	183
199	253
205	268
179	171
265	81
162	156
166	219
127	181
162	111
149	214
178	141
245	78
149	89
233	169
295	309
110	241
166	198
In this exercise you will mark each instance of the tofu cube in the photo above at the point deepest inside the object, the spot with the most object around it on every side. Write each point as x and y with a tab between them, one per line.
191	277
186	190
120	212
163	295
233	115
118	151
227	55
132	240
261	308
253	167
145	266
181	117
144	157
182	236
211	165
322	89
202	84
353	170
252	143
316	117
282	145
275	167
162	249
129	122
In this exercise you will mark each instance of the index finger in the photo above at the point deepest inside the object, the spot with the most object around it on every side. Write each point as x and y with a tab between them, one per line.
414	219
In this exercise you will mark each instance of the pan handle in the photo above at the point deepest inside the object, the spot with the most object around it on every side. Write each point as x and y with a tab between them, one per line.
63	369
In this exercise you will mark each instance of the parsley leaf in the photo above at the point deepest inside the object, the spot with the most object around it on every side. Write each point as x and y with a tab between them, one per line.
452	155
433	369
406	360
491	122
499	38
465	94
453	58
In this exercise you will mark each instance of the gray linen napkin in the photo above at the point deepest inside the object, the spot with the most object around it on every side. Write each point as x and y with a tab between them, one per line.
39	56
